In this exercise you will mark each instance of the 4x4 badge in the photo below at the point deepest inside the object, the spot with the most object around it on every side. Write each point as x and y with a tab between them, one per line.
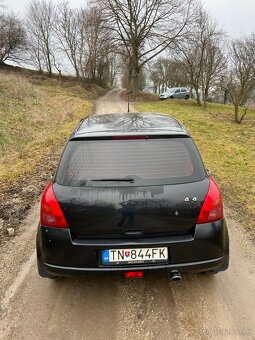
187	199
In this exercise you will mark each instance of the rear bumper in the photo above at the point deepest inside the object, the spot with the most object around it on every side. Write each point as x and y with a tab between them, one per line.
195	267
60	254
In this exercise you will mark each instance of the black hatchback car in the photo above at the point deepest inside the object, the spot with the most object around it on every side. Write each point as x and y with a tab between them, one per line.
131	194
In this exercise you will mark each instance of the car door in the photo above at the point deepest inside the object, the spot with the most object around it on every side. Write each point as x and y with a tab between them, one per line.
184	92
177	93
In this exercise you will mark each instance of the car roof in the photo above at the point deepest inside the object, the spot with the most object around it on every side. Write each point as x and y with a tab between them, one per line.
125	124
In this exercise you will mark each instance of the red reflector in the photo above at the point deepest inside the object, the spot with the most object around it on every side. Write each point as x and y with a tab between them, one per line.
212	209
128	137
51	214
133	275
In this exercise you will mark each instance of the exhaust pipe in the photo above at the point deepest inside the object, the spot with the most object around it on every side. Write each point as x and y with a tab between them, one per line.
175	275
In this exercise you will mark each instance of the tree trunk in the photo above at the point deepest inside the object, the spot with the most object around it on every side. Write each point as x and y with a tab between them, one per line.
225	98
130	74
198	96
77	72
236	114
205	98
136	69
135	81
49	66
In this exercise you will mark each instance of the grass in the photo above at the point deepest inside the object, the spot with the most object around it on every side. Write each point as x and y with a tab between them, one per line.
35	114
227	149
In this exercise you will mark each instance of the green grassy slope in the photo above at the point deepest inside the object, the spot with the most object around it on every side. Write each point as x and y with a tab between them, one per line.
228	150
35	114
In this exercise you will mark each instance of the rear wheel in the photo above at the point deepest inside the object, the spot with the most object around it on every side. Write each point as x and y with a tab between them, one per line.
187	97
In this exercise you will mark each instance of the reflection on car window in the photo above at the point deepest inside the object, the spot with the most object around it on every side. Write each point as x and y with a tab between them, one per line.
153	159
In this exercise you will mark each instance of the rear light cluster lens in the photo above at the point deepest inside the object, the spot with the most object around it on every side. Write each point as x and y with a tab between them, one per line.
51	213
212	209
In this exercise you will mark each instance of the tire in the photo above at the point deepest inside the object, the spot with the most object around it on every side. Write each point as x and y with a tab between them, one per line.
42	272
171	97
187	97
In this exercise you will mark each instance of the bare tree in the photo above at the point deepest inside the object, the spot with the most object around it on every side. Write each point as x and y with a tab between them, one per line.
12	38
145	28
161	67
86	42
34	55
168	72
241	84
223	86
69	30
39	22
113	67
213	68
201	53
98	44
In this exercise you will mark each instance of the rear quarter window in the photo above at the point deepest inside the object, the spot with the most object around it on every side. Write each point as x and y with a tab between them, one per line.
149	161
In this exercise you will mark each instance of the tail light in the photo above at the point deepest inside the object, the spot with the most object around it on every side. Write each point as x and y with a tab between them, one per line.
212	209
134	275
51	213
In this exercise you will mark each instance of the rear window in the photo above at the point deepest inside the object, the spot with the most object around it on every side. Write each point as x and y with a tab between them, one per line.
148	161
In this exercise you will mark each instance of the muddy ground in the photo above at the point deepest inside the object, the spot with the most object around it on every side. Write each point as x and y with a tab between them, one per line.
17	199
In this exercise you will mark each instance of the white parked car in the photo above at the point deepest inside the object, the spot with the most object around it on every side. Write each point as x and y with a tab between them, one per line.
175	92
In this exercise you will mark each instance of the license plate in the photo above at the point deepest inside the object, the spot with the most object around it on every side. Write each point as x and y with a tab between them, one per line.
134	255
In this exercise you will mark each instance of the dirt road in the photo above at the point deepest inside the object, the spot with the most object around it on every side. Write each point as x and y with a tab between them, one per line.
108	307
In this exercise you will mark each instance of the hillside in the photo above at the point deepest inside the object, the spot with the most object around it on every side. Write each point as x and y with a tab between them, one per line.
37	115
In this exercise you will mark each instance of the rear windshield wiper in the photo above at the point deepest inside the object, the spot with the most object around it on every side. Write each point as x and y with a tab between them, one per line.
124	179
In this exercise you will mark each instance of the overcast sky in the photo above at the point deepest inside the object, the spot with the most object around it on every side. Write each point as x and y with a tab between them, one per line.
237	17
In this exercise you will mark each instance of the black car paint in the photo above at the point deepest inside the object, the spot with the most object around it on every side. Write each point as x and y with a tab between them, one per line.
124	216
62	254
119	211
127	124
